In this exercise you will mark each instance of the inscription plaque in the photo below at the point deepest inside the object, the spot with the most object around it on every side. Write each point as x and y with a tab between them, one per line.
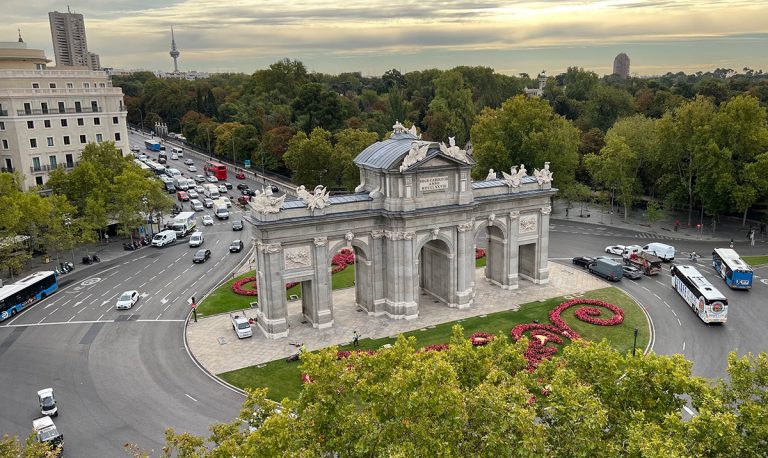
431	184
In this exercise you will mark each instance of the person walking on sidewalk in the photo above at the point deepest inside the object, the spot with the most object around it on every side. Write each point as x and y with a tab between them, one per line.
106	237
731	245
752	238
355	339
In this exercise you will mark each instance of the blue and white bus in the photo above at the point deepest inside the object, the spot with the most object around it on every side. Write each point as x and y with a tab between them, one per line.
157	169
25	292
152	145
704	299
736	273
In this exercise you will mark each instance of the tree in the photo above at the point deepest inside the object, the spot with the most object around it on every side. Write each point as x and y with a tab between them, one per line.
31	448
604	106
451	111
349	143
481	401
525	131
315	107
309	158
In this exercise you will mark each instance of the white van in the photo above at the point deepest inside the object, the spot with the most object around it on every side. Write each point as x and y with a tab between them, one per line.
196	205
162	239
665	252
177	151
629	250
196	239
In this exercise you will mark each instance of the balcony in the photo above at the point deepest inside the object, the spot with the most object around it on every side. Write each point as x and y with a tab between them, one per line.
7	169
48	167
38	111
3	112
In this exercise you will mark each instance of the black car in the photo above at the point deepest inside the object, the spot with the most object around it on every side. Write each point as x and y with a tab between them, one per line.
583	261
236	246
242	186
201	256
237	225
228	185
248	192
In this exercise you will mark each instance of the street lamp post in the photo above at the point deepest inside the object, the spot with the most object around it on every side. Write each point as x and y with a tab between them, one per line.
68	225
263	177
141	117
147	217
634	345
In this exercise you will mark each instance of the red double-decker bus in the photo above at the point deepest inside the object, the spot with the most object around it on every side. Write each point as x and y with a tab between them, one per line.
217	169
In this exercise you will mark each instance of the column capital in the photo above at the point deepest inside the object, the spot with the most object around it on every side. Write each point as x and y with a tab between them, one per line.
321	241
270	247
546	210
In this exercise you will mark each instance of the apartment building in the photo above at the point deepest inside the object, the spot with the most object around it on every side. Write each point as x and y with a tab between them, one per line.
70	46
47	116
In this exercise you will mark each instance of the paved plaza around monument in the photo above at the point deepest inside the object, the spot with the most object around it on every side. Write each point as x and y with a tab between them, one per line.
213	342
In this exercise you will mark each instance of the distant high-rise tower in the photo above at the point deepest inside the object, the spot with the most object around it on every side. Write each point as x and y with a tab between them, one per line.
174	53
69	44
621	65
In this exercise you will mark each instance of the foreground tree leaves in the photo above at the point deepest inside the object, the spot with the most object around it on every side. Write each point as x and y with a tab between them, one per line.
481	401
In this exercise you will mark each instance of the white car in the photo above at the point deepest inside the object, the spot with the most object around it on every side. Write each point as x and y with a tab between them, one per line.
174	156
199	189
615	249
212	179
192	194
208	203
226	201
222	188
127	299
188	162
199	178
192	168
207	220
196	205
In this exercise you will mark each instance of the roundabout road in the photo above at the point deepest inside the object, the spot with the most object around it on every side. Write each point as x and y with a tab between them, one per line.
119	376
678	329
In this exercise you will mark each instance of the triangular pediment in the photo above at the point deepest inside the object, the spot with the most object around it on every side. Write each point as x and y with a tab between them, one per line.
436	161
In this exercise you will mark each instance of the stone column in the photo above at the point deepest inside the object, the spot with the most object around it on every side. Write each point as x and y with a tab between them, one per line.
542	254
465	258
323	299
400	265
512	251
378	273
272	313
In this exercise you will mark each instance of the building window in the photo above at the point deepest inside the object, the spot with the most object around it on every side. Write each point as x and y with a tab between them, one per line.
2	125
47	123
70	161
27	108
83	140
99	138
117	136
49	140
86	85
44	107
96	121
94	106
35	85
5	144
33	143
63	123
39	181
8	164
52	85
62	108
102	85
36	164
52	160
66	139
78	107
30	124
80	121
115	120
70	86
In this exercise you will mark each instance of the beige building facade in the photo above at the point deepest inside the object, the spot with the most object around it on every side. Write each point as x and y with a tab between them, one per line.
47	117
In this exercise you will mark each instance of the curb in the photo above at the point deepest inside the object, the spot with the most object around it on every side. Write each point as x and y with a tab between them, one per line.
651	327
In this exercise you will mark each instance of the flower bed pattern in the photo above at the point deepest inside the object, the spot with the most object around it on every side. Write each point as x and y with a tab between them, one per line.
479	339
479	253
243	286
541	334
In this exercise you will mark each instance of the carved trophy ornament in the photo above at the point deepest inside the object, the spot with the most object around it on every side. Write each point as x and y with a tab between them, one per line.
264	202
454	151
543	176
417	153
320	199
515	178
491	175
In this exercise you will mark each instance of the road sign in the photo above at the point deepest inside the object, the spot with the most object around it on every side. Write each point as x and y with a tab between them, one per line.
247	163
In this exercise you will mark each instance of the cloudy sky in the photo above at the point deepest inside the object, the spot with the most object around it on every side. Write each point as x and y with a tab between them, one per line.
373	36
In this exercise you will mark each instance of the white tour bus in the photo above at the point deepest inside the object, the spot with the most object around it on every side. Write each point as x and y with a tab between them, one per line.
704	299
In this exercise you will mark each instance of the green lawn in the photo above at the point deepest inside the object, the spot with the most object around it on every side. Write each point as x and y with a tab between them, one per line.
283	379
339	280
481	262
755	260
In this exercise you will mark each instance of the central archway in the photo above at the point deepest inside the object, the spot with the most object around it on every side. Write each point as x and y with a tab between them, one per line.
436	270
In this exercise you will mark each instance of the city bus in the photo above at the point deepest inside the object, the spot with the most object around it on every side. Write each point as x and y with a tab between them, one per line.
216	169
142	165
25	292
732	269
152	145
703	298
158	169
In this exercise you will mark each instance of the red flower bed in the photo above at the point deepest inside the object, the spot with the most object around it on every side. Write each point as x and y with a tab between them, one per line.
343	354
437	347
239	287
344	257
479	253
480	338
541	334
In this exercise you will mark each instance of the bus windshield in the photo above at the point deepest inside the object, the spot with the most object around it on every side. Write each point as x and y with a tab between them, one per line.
736	273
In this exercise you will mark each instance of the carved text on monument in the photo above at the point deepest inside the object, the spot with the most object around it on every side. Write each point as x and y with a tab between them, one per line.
431	184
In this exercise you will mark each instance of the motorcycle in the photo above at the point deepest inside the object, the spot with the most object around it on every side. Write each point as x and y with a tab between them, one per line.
90	259
128	247
66	267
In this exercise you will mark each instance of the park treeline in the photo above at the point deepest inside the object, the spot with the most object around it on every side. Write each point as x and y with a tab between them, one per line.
691	141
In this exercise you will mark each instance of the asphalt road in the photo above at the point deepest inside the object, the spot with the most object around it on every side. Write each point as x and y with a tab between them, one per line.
678	329
119	376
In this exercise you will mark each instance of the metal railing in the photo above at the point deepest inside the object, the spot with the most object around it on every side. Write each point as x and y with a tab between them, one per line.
49	167
7	169
3	112
40	111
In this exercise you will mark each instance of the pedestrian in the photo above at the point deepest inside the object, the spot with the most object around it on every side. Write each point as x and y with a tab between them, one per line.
302	350
566	212
355	339
677	224
106	237
752	237
731	242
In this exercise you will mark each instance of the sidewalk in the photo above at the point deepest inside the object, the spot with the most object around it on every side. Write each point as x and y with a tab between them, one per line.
726	229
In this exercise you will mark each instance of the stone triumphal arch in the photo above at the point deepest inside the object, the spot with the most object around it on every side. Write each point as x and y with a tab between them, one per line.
412	224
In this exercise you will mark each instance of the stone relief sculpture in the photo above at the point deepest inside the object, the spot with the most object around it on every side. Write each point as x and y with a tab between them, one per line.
296	257
269	247
527	224
454	151
435	232
543	176
321	241
320	199
491	175
515	178
417	154
264	202
546	210
349	236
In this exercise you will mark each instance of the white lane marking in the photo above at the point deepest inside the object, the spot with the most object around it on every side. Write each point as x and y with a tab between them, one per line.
77	303
167	306
142	285
217	242
179	258
190	397
52	303
105	293
673	313
70	320
678	322
167	284
140	306
113	273
160	273
102	315
41	320
158	317
689	411
126	263
92	322
185	270
659	282
665	303
155	260
657	296
53	311
683	346
646	289
128	278
193	283
178	276
83	309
